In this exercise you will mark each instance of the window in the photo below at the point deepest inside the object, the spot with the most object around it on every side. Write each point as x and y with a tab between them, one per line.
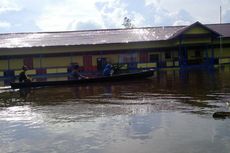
168	55
197	53
28	61
154	58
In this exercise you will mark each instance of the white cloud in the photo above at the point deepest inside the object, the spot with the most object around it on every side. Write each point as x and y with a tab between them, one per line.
4	24
84	25
205	11
182	17
181	22
60	15
226	11
226	16
142	14
112	13
8	5
139	19
91	14
19	15
65	14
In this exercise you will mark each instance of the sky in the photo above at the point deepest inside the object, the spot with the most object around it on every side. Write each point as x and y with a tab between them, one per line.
69	15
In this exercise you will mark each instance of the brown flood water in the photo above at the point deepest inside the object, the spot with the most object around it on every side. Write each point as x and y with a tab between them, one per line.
171	112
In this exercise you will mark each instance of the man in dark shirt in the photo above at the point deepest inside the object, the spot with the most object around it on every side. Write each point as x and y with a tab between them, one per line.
22	76
75	74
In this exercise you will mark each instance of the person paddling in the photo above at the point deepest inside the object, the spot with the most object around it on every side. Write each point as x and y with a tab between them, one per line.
75	74
23	76
108	70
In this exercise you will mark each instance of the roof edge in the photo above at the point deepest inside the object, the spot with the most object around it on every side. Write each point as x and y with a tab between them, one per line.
177	34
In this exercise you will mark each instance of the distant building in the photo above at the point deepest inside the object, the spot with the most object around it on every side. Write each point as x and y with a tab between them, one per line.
136	48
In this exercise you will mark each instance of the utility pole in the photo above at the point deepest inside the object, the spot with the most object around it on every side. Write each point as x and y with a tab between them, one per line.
220	57
220	13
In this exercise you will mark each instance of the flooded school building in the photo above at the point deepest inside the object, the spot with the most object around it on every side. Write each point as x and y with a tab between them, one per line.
195	45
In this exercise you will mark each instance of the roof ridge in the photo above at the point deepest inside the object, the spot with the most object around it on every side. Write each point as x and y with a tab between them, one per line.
71	31
112	29
218	24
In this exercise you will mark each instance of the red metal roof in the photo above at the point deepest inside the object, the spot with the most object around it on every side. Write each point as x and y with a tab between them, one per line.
93	37
223	29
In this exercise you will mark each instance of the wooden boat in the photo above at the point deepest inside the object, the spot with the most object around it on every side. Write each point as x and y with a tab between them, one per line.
221	115
120	77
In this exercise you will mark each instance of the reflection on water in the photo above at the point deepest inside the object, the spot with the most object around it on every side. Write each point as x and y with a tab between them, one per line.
171	112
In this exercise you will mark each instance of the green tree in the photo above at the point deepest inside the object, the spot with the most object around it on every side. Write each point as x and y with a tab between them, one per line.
127	23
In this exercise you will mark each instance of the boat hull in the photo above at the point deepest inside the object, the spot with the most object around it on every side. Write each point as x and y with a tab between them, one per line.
122	77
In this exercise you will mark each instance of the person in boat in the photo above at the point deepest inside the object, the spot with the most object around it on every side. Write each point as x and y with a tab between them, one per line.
108	70
23	76
75	74
71	67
